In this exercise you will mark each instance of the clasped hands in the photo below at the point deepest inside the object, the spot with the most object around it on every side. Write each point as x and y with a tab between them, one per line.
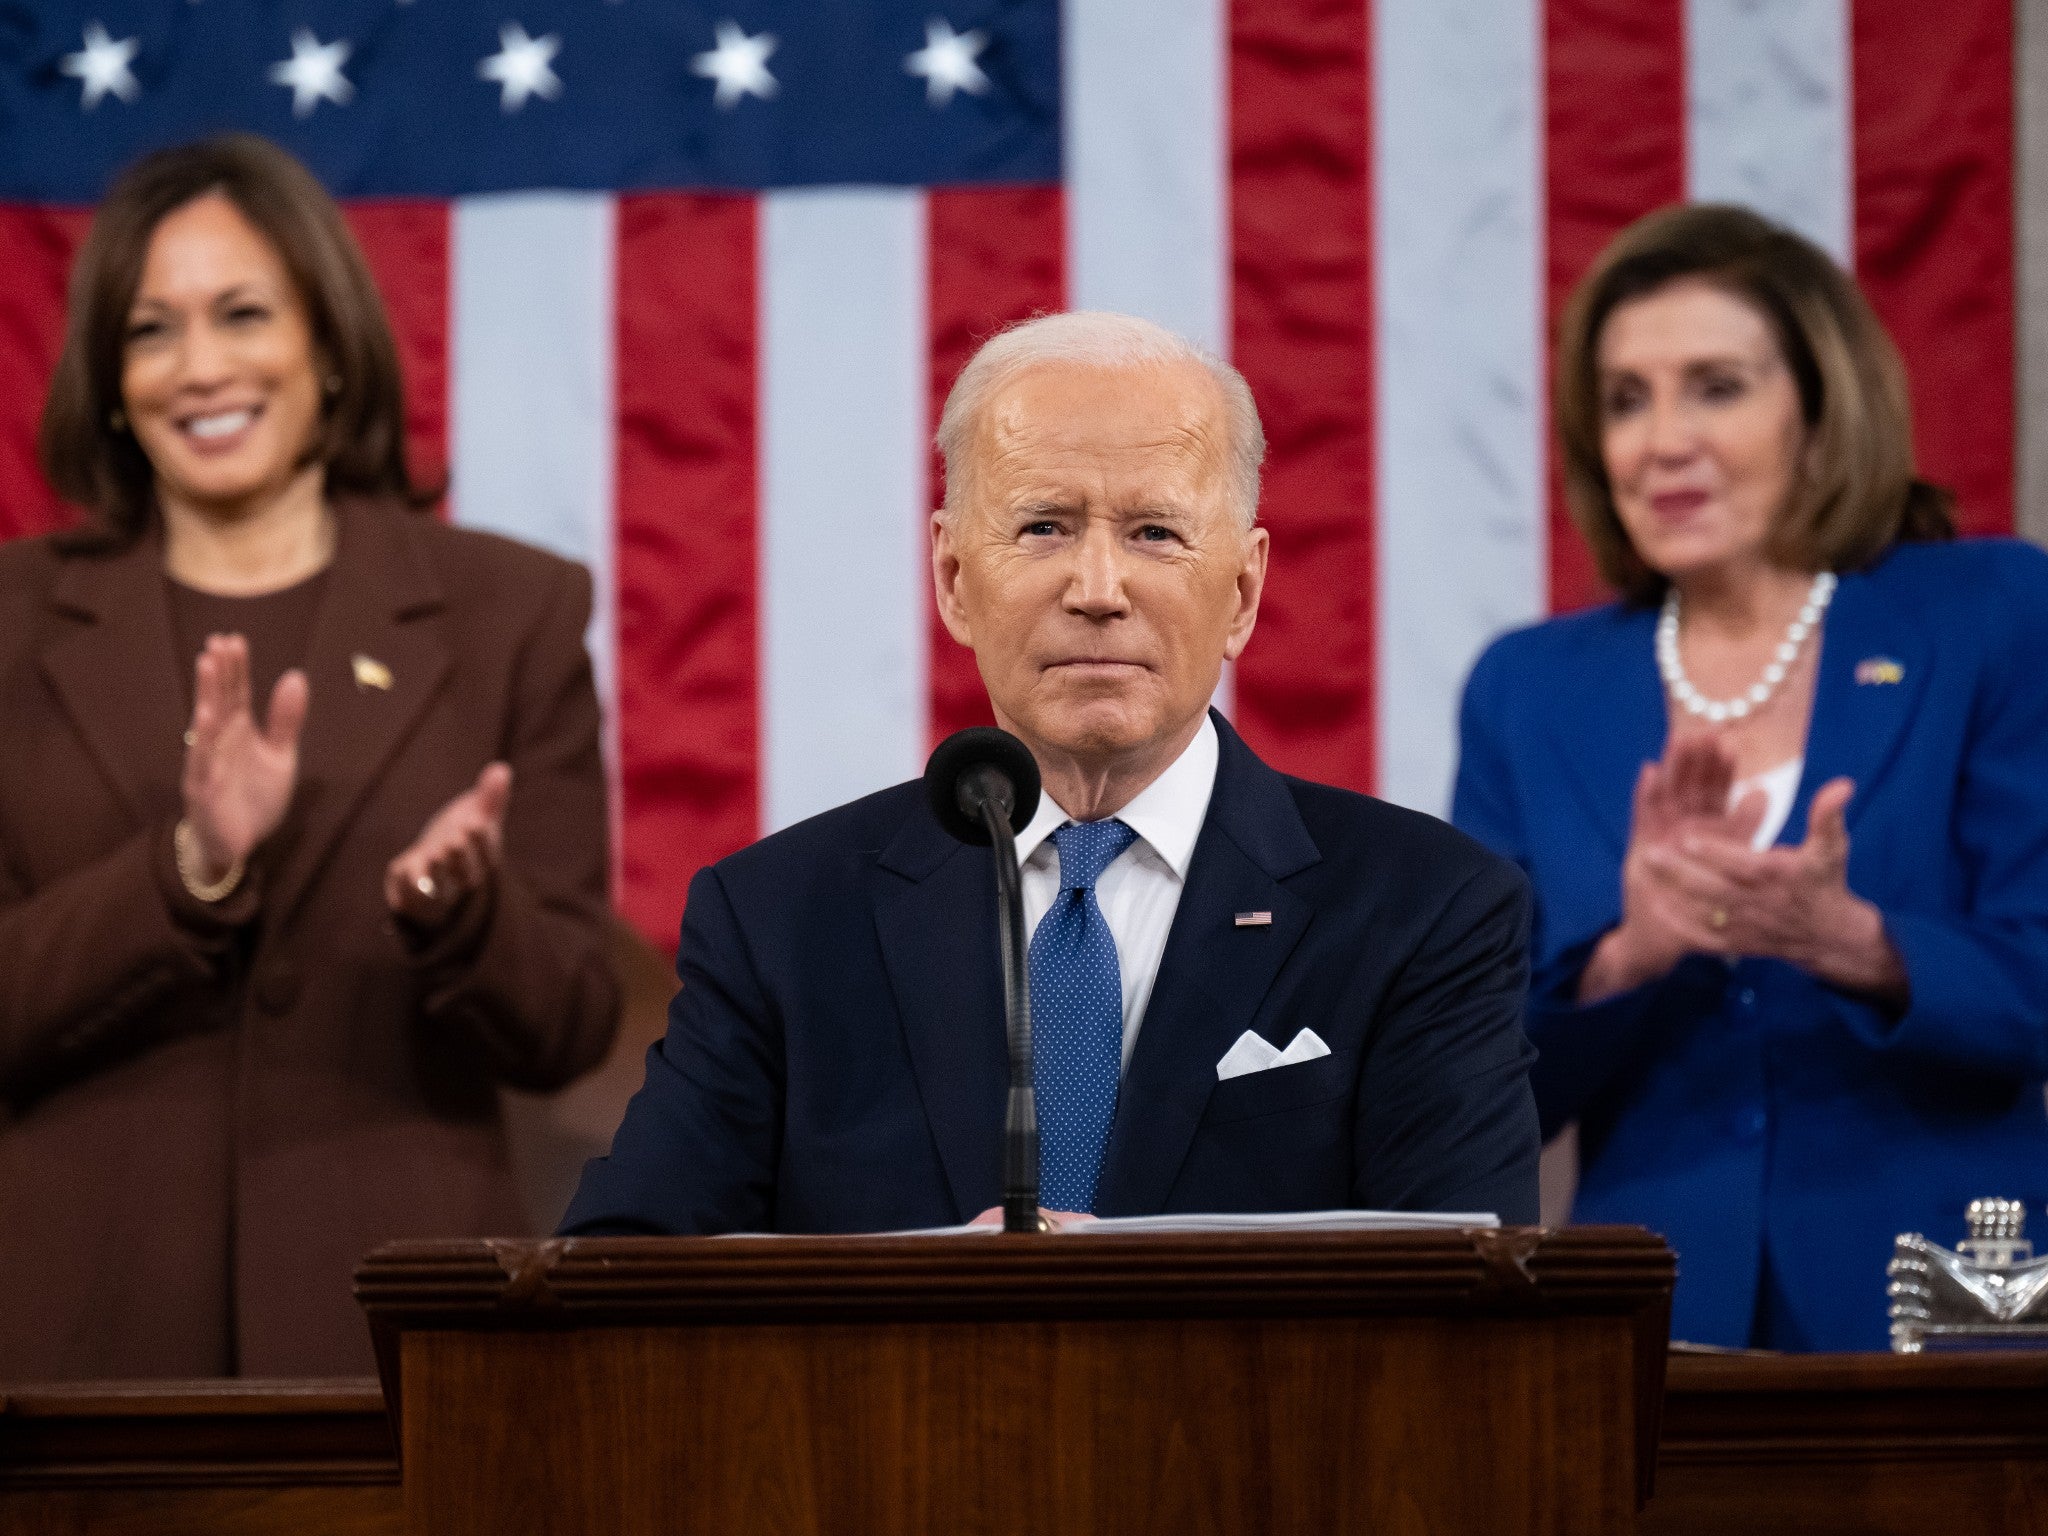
1692	884
240	775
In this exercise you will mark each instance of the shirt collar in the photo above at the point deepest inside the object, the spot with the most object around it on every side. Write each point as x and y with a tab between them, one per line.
1167	813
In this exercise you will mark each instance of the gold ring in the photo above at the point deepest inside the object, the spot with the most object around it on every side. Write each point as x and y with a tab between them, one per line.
1718	919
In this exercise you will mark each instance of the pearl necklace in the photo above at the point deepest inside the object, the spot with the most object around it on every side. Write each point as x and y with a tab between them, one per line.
1693	702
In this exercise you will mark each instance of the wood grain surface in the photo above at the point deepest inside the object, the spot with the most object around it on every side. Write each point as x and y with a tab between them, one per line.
1402	1381
1853	1445
1760	1444
237	1458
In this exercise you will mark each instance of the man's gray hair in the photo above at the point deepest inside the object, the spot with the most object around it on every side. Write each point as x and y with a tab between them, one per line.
1097	339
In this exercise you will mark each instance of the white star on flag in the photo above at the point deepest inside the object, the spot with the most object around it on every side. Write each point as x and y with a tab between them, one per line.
947	62
739	64
102	67
520	67
314	73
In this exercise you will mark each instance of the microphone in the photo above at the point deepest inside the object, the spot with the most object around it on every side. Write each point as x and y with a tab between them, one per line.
983	787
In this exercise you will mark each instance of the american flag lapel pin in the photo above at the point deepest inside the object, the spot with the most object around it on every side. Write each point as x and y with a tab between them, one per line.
1254	920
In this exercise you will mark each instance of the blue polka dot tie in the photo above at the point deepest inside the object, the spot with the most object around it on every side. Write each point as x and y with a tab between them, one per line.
1077	1019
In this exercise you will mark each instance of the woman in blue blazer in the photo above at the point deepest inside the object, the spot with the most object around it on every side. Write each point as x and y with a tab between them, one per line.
1784	806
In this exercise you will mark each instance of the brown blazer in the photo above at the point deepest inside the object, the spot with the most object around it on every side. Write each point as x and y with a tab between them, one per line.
208	1114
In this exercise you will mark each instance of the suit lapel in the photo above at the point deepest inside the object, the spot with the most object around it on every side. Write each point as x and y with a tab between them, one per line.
117	675
1212	977
380	605
1605	725
1873	665
936	920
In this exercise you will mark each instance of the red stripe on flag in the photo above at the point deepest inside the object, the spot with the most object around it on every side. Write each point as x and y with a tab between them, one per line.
997	256
1614	88
36	247
688	725
1301	296
407	248
1934	232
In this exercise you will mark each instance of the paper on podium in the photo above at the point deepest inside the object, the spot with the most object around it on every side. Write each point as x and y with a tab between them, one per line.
1245	1221
1292	1221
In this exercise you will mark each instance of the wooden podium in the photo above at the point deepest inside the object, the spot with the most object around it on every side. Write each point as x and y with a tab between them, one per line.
1393	1381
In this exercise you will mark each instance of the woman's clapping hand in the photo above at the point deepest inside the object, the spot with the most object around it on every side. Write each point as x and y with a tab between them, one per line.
1685	797
239	775
1692	884
1786	903
456	854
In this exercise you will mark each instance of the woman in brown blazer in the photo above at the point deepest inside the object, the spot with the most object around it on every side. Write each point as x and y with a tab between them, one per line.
302	815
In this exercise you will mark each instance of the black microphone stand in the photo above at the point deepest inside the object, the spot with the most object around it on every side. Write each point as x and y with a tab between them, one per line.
993	796
982	785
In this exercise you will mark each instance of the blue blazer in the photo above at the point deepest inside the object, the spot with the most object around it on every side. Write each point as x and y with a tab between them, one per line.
1778	1132
835	1061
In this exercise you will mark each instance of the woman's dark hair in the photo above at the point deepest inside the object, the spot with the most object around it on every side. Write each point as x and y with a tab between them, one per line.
1857	494
97	464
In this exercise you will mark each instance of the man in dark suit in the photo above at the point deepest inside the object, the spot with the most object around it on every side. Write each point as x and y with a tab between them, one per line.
1250	993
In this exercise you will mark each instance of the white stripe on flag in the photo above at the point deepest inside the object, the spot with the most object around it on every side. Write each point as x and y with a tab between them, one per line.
1147	233
844	465
1145	85
531	439
1458	332
1767	116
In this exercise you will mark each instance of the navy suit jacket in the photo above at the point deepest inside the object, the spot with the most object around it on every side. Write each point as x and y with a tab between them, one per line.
835	1061
1774	1129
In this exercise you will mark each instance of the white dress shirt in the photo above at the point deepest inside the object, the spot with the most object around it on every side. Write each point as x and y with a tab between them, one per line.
1140	890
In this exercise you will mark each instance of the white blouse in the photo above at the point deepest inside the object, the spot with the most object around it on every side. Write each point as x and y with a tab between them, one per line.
1779	785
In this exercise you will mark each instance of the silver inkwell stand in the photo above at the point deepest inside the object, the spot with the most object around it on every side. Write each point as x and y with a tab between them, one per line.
1990	1292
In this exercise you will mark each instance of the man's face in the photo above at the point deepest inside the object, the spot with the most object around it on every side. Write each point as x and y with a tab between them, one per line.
1097	567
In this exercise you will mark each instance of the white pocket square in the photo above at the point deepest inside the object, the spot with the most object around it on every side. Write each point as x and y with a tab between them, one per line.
1255	1054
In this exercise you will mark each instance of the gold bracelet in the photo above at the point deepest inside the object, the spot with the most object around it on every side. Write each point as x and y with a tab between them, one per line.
185	844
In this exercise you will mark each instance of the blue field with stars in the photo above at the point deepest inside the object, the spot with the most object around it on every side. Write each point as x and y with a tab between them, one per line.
441	98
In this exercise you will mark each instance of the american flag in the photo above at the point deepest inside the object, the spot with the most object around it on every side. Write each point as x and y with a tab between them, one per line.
679	288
